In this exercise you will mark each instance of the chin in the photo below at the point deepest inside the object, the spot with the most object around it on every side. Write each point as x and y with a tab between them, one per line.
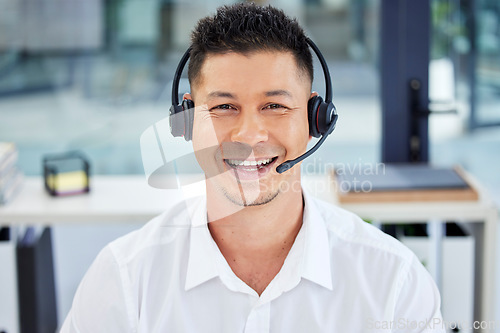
245	200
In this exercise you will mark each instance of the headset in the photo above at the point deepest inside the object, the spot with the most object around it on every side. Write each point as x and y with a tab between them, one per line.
322	114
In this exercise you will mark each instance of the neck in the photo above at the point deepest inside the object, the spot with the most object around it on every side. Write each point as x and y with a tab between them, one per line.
255	232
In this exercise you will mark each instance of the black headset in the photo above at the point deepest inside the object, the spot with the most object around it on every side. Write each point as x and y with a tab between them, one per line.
322	114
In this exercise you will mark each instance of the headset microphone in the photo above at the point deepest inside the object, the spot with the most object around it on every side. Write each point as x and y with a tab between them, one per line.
322	115
290	163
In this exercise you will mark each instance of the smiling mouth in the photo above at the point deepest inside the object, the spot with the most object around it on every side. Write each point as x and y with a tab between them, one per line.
250	170
250	165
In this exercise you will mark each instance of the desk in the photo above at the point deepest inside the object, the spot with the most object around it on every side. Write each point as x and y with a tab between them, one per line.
112	199
118	199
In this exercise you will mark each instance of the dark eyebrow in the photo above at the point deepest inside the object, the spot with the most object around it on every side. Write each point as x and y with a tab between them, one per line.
278	93
225	94
271	93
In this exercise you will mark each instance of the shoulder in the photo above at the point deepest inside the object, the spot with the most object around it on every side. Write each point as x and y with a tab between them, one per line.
113	286
365	251
163	231
348	227
367	256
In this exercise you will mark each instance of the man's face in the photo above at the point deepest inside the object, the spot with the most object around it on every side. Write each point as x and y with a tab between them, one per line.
253	110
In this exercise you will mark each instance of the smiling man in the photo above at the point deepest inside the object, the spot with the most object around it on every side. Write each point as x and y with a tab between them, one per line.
256	253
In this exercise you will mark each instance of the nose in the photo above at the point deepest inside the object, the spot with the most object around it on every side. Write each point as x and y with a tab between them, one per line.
250	129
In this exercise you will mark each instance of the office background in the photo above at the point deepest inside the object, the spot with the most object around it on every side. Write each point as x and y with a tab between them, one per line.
92	75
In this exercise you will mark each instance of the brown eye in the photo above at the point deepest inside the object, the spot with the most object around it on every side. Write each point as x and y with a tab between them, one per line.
275	106
222	107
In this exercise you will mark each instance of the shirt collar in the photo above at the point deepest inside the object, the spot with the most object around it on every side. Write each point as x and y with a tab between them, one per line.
201	262
202	265
316	265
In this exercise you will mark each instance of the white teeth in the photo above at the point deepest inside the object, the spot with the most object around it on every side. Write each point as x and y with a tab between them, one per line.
249	163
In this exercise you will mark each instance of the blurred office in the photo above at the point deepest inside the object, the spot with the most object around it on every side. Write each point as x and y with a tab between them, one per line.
92	75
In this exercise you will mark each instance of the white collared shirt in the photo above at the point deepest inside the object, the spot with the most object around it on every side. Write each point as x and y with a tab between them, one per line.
341	275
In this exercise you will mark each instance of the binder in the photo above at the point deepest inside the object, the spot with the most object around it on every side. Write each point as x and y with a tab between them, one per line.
36	286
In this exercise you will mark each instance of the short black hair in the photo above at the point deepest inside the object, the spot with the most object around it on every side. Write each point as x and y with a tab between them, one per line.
245	28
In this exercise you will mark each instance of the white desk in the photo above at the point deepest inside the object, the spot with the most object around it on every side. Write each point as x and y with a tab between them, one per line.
129	199
111	199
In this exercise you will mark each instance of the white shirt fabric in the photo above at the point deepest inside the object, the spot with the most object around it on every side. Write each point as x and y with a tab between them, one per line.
341	275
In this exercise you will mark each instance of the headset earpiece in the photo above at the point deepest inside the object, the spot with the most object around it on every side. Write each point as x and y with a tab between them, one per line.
181	119
188	108
181	114
320	116
312	115
176	121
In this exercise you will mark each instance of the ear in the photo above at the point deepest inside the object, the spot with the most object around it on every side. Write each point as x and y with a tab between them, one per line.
187	96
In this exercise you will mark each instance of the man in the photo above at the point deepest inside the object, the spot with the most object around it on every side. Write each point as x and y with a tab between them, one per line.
257	253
